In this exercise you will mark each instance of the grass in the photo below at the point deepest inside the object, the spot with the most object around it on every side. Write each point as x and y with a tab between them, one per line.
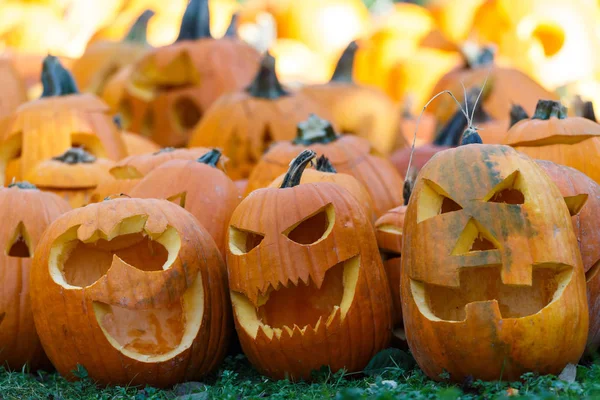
236	379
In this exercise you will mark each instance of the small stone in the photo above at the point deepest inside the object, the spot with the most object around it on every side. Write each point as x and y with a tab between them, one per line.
569	373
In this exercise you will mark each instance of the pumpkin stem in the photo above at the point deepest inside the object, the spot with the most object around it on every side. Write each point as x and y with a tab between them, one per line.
479	58
546	109
233	26
164	150
75	155
588	111
265	84
56	80
409	184
517	113
138	31
324	165
345	65
294	173
195	23
23	185
211	158
470	136
479	115
451	133
118	121
314	130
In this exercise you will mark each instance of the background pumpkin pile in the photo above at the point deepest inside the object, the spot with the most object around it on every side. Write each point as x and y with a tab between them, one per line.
181	182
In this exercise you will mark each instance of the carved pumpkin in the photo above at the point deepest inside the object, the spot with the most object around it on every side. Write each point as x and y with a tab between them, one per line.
129	171
171	87
141	280
551	135
245	123
13	89
356	109
61	119
582	196
74	175
26	212
114	87
348	154
490	264
325	172
504	87
199	187
294	311
103	59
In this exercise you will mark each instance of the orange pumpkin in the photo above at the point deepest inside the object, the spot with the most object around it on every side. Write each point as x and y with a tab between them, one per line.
582	196
13	89
26	213
62	118
356	109
245	123
74	175
141	280
136	144
408	124
551	135
348	154
114	87
103	59
490	264
199	187
171	87
305	277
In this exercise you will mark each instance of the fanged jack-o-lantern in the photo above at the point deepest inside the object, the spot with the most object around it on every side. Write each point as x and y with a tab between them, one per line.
143	282
490	264
307	283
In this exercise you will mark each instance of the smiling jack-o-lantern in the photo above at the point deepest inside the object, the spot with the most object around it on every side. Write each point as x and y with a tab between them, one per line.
25	212
139	279
306	280
492	279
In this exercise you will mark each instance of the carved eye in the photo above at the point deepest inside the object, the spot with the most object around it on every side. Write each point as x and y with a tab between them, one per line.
576	203
313	228
19	246
242	241
508	191
187	113
433	201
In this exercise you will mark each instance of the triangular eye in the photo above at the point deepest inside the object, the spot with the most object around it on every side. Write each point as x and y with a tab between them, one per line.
576	203
313	228
508	191
474	238
178	198
433	200
19	246
242	241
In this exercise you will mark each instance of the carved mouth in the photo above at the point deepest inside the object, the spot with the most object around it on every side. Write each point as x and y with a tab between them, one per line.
484	285
295	308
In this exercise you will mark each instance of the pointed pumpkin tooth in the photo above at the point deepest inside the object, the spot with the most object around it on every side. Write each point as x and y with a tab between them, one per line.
289	331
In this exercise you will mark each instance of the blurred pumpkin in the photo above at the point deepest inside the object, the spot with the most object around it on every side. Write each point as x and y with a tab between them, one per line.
348	154
356	109
73	175
171	87
408	124
26	212
548	39
199	186
62	118
305	276
245	123
504	86
114	87
103	59
454	17
13	90
136	144
551	135
143	281
129	171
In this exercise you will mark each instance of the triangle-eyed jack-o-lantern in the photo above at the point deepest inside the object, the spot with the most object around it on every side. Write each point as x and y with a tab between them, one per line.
492	281
307	283
134	290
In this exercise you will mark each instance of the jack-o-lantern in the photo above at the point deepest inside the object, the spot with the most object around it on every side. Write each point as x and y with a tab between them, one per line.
74	175
306	280
143	282
26	212
245	123
199	187
61	119
103	59
551	135
582	196
356	109
348	154
129	171
490	264
171	87
13	88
